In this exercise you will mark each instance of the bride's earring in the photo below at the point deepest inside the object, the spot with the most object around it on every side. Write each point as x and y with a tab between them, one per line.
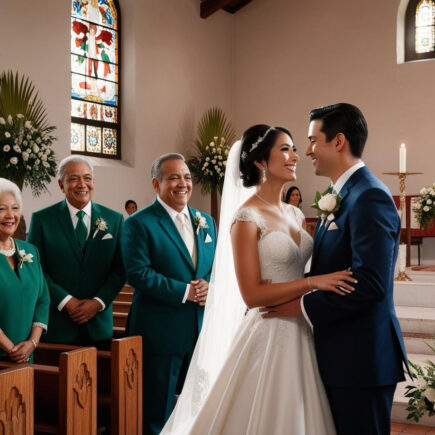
263	175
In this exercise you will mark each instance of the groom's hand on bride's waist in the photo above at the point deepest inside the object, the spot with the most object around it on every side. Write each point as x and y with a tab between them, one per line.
288	309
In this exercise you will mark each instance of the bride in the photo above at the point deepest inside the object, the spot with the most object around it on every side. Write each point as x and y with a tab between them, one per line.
251	375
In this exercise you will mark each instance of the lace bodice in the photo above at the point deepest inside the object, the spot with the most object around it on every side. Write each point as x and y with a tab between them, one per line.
281	259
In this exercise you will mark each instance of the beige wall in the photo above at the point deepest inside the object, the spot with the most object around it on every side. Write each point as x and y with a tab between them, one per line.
175	66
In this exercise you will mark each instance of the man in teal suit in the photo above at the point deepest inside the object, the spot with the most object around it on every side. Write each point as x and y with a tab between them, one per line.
79	244
168	250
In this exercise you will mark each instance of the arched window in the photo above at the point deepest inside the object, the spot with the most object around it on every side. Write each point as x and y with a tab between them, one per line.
95	115
420	30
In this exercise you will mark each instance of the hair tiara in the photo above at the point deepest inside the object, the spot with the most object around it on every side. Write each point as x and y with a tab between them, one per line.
257	142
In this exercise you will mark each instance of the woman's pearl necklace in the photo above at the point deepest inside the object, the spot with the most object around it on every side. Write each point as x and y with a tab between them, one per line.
8	252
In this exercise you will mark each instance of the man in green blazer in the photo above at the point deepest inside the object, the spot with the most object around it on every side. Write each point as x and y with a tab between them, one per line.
168	250
79	244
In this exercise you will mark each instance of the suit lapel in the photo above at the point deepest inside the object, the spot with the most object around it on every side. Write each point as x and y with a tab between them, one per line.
66	224
171	230
199	239
90	242
344	192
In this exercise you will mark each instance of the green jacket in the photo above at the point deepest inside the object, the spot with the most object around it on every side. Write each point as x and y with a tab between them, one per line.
159	267
97	273
24	297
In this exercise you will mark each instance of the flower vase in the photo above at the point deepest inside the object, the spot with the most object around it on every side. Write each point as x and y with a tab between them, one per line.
214	206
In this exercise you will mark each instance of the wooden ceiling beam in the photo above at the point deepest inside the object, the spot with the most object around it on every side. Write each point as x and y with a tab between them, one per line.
209	7
236	5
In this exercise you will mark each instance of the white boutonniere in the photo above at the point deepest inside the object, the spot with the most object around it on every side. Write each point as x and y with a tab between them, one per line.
327	204
100	225
200	222
24	258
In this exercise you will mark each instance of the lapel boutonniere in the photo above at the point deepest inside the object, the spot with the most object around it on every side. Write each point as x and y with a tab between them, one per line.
327	204
24	258
200	222
100	225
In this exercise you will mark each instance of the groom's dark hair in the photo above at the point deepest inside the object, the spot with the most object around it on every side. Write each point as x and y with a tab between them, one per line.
343	118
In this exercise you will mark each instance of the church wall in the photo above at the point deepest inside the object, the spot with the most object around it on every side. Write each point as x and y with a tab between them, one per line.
174	64
291	56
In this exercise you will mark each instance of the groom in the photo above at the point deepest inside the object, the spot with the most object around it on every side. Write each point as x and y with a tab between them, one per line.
359	346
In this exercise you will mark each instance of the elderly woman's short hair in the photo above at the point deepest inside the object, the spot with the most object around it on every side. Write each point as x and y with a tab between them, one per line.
7	186
156	168
61	170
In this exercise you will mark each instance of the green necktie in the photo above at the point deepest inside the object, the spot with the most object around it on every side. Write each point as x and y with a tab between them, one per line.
81	230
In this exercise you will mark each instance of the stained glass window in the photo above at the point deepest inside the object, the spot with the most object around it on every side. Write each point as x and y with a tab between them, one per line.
95	120
420	30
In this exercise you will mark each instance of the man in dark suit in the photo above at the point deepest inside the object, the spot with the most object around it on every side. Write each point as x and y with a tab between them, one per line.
168	250
359	345
79	244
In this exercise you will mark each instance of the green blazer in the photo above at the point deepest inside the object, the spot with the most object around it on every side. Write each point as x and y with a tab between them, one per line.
97	273
159	267
24	296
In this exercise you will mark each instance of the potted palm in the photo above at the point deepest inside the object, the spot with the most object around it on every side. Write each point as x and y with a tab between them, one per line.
26	154
215	135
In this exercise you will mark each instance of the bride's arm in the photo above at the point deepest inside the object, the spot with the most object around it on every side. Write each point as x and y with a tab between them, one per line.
256	293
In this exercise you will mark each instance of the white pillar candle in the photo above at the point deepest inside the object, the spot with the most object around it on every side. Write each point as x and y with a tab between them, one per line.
402	161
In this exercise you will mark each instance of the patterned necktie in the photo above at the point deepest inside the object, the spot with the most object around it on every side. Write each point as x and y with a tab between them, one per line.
186	235
81	230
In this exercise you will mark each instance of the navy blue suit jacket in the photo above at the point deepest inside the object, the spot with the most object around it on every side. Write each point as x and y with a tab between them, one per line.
357	337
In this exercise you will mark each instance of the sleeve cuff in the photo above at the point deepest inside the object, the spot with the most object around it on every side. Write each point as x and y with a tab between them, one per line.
186	293
41	325
305	313
103	305
63	302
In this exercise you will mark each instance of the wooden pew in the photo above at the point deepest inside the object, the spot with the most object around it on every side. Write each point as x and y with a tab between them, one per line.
66	395
121	307
16	400
119	373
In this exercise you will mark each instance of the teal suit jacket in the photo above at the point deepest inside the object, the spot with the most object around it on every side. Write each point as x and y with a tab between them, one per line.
97	273
159	267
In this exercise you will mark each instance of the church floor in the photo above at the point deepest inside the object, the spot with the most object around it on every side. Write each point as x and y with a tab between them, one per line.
400	428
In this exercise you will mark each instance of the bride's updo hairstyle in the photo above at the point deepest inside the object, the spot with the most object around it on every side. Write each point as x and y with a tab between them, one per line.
257	141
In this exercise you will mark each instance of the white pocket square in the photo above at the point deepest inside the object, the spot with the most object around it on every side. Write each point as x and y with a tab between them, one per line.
332	226
107	236
208	239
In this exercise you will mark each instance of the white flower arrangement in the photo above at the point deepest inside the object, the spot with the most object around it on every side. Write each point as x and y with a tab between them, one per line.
16	135
200	222
327	204
421	394
23	257
213	144
424	206
100	225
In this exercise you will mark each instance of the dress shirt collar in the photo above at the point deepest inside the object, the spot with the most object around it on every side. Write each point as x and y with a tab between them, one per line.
173	213
342	179
73	210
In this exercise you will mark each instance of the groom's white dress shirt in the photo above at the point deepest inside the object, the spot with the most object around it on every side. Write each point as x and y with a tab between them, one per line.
341	181
87	221
189	239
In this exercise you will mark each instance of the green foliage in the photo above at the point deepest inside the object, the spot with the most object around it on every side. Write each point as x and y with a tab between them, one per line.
421	394
214	137
26	155
424	206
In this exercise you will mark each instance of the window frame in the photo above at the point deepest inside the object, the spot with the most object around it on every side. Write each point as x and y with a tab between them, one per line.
410	53
102	124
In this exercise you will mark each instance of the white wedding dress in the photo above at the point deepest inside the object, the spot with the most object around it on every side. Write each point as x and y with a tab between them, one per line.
269	383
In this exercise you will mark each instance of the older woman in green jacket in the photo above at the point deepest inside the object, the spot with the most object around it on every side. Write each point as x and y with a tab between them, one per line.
23	291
